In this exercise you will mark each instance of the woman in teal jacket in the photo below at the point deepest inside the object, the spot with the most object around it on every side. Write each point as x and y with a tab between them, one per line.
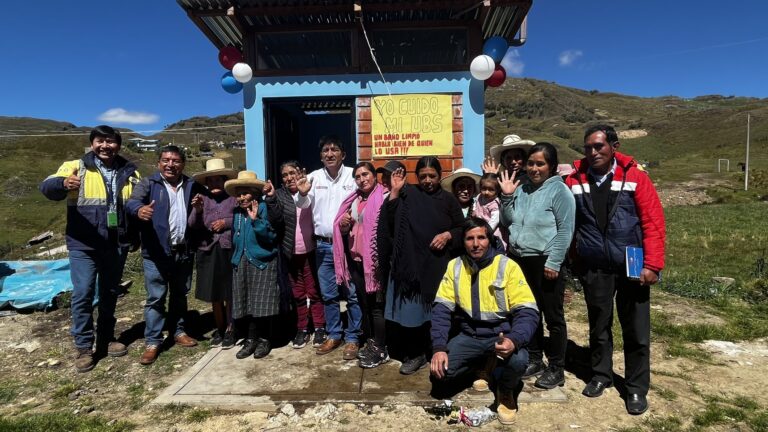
540	216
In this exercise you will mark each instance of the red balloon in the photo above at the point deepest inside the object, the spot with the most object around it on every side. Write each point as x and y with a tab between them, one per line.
229	56
498	77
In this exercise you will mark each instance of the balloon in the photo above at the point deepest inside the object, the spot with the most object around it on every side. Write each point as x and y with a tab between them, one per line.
242	72
230	84
495	48
511	60
482	67
229	56
498	77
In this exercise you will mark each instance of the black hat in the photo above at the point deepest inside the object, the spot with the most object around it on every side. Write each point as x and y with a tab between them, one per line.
390	167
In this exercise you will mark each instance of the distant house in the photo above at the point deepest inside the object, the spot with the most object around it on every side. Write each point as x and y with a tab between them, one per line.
237	145
144	145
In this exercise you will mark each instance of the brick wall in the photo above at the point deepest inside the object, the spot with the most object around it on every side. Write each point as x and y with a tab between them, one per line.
447	163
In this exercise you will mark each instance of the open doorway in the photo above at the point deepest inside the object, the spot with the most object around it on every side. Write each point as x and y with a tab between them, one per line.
293	128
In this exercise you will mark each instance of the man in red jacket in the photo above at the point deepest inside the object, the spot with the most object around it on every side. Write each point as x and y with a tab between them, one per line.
616	207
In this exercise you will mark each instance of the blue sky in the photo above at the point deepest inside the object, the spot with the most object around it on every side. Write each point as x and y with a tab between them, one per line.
85	61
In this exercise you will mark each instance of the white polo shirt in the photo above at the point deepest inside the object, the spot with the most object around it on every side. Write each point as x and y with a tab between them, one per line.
326	197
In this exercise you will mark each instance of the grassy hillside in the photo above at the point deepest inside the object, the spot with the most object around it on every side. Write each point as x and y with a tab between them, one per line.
685	137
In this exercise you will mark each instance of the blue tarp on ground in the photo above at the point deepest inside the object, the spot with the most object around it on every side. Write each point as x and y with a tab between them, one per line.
33	284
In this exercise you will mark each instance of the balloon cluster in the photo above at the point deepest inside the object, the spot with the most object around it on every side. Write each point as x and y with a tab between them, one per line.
490	65
239	71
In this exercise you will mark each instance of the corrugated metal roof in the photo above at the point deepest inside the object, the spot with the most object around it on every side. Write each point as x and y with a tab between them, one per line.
502	18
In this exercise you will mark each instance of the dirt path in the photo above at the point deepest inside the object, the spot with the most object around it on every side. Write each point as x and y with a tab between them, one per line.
36	376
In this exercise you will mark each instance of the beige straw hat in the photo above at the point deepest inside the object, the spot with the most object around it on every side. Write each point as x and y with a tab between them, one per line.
214	167
447	182
245	179
510	142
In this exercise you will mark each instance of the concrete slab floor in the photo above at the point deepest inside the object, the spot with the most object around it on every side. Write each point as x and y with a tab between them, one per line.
300	377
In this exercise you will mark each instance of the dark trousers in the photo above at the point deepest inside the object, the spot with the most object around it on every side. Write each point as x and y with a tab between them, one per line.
467	353
373	323
633	308
549	297
303	279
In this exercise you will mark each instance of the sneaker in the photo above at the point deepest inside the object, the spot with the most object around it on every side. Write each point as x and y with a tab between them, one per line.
319	338
551	378
412	365
534	368
263	347
249	346
373	356
301	340
506	408
362	352
84	359
216	339
229	340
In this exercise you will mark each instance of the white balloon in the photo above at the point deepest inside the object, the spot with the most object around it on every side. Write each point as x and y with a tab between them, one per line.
242	72
482	67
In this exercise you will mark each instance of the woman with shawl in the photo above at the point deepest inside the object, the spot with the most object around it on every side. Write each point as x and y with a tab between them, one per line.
356	259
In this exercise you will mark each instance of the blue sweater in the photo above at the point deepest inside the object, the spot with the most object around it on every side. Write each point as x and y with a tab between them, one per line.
254	238
541	220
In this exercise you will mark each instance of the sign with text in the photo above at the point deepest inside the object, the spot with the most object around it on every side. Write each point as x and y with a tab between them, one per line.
411	125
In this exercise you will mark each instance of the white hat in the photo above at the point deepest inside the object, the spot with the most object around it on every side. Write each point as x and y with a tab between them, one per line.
245	179
447	182
510	142
214	167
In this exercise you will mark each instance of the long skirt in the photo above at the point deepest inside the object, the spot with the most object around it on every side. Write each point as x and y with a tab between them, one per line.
255	292
214	274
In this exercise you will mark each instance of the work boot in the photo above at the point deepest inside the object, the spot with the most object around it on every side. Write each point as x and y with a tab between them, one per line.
551	378
328	346
183	339
506	408
150	355
534	368
484	375
84	359
350	351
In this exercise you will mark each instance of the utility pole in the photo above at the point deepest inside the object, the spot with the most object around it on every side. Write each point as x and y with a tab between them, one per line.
746	163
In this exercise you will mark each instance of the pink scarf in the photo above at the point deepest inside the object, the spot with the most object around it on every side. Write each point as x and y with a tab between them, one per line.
368	242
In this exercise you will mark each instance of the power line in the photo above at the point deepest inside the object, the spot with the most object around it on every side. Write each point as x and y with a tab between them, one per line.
129	133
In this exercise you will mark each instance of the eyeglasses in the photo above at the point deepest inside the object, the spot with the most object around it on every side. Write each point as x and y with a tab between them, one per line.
173	162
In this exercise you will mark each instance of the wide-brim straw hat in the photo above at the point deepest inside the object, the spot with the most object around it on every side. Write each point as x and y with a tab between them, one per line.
245	179
510	142
447	182
214	167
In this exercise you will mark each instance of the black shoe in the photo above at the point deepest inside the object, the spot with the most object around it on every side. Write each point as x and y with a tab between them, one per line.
262	348
229	340
636	404
412	365
249	346
363	351
595	388
534	368
216	339
551	378
374	356
301	340
319	337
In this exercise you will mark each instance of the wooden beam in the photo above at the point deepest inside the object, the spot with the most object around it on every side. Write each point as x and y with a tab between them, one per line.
394	25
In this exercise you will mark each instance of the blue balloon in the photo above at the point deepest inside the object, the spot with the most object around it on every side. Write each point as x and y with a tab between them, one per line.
230	84
495	48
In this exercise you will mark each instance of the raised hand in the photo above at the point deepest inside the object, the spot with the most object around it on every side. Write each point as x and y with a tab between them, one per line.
490	166
508	183
197	203
397	181
146	212
269	189
73	181
253	210
303	183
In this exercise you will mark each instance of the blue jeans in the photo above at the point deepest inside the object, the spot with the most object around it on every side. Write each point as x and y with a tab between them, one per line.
465	352
171	277
89	270
331	292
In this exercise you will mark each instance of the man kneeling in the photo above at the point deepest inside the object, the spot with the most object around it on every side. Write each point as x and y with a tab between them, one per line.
489	297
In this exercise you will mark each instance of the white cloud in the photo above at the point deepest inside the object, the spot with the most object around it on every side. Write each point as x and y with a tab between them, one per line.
569	56
119	115
512	63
